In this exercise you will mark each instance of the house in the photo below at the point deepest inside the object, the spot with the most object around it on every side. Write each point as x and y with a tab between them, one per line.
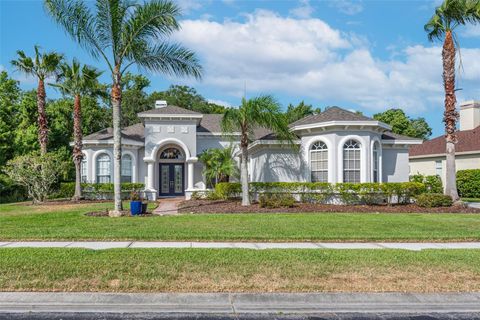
429	157
162	151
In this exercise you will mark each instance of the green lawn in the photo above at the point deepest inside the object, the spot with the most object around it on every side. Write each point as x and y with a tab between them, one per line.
220	270
68	222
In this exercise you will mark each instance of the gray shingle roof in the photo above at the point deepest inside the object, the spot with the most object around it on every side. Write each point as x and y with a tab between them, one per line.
168	110
212	123
133	132
331	114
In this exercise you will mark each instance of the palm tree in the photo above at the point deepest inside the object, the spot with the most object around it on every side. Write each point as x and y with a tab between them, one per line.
260	112
77	82
123	33
447	17
219	164
41	66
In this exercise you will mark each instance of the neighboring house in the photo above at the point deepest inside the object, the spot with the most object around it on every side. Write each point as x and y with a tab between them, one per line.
429	157
162	151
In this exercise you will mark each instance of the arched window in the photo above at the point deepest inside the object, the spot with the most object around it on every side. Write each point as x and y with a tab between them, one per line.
103	168
171	154
126	168
319	162
351	161
375	161
83	169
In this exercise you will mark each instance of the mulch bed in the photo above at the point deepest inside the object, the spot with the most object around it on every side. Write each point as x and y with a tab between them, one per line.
222	206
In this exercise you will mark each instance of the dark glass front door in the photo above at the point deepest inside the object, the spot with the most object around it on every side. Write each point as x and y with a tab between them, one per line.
172	180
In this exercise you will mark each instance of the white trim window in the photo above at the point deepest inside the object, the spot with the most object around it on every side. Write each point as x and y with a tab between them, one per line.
103	168
375	162
126	168
83	170
438	168
319	162
351	161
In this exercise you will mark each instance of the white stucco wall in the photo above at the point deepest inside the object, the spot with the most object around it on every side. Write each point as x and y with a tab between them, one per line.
276	164
395	164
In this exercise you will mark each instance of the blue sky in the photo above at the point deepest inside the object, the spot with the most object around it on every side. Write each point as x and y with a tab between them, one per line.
361	55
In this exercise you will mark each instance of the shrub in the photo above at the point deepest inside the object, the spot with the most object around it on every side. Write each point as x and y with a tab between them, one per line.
36	172
228	190
433	184
211	195
11	192
468	183
322	192
96	190
276	200
431	200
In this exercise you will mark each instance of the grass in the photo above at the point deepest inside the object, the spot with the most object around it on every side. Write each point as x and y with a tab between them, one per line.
68	222
221	270
471	199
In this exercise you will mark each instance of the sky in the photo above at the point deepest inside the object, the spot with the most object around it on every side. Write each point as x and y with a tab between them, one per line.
360	55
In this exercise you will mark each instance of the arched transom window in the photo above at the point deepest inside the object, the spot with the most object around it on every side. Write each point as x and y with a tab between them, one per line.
171	154
319	162
103	168
351	161
126	168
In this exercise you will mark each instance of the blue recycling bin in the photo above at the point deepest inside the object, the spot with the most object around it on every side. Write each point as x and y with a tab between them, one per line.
135	207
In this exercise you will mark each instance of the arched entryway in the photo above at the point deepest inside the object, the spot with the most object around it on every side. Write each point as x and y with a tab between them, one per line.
171	164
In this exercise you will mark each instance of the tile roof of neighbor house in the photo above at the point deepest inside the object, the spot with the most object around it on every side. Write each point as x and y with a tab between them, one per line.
168	110
468	140
331	114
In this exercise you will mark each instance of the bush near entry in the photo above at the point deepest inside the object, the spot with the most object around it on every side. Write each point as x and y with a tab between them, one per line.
431	200
468	183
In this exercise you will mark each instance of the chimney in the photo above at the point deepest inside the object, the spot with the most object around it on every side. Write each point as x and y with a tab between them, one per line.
160	104
469	115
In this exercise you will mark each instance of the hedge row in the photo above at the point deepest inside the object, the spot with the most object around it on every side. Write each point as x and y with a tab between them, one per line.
318	192
468	183
96	190
433	184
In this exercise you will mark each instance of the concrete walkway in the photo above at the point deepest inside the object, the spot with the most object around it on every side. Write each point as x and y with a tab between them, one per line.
99	245
240	303
474	205
168	206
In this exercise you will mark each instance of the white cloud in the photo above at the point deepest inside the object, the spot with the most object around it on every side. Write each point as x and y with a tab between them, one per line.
471	31
188	6
347	6
309	59
303	11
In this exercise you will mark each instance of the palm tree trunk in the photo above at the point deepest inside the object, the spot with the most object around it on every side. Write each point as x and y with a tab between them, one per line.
42	117
244	171
450	115
116	97
77	147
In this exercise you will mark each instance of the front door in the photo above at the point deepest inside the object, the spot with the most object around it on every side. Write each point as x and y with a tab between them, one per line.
172	179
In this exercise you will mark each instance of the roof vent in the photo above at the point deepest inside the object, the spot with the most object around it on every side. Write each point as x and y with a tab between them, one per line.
160	104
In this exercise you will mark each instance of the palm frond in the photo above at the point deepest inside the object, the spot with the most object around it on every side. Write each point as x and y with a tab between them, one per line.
78	22
170	59
154	20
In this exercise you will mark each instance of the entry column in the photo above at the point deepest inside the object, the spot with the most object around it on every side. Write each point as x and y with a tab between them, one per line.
190	172
150	187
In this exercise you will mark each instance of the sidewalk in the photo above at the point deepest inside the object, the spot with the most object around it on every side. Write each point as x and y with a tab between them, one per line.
240	303
100	245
